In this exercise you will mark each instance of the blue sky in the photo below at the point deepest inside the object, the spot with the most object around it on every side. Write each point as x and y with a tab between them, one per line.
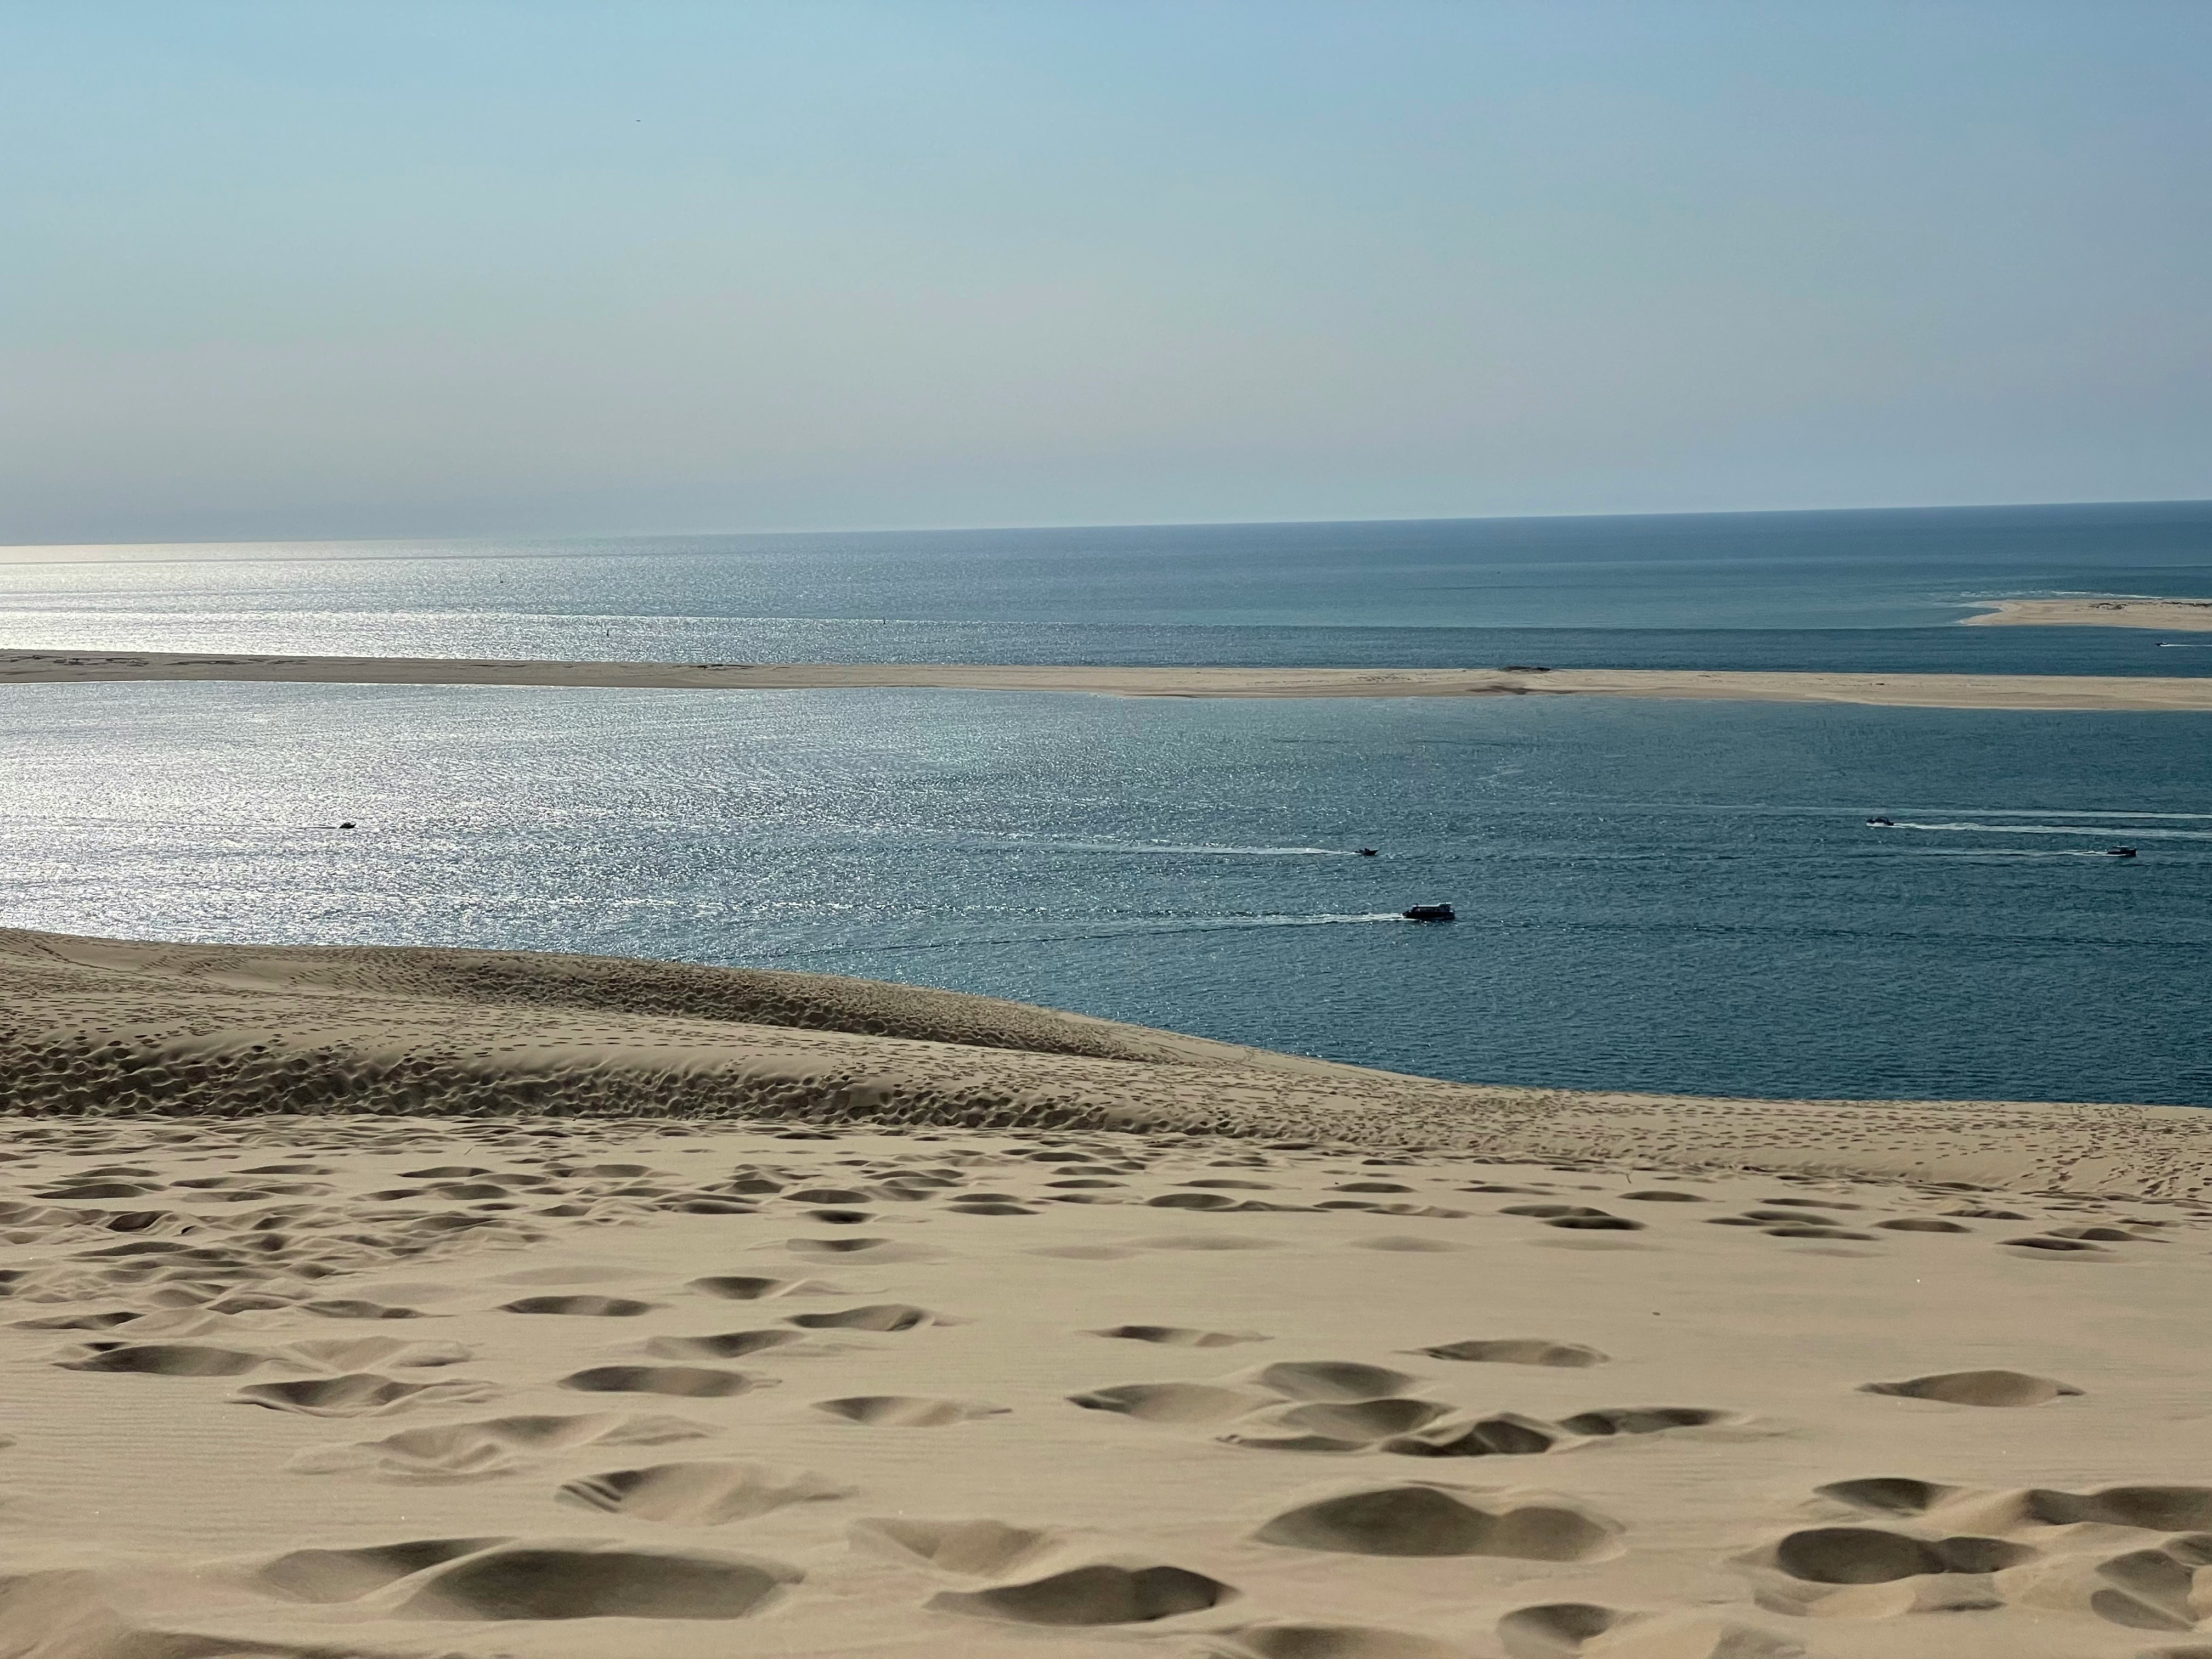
383	268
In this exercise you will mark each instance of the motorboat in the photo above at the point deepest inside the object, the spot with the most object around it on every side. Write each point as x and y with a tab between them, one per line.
1430	913
1367	852
1883	824
2119	852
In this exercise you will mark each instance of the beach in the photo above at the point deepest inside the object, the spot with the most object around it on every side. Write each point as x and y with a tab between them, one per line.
2052	692
2173	615
484	1303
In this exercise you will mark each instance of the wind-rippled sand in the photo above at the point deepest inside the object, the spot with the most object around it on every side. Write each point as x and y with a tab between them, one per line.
364	1302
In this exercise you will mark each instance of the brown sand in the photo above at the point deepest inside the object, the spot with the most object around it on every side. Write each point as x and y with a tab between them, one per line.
2169	615
416	1303
2036	691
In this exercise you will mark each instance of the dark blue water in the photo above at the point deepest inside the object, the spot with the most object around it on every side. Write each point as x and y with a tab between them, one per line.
1838	591
1654	895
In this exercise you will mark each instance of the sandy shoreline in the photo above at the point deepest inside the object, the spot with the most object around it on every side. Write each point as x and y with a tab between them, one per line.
2168	616
2022	691
490	1305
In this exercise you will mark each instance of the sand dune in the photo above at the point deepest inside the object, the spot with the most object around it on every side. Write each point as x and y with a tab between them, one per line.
93	1026
400	1305
2042	691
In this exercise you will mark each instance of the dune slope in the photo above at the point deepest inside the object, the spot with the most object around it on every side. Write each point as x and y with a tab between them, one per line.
90	1026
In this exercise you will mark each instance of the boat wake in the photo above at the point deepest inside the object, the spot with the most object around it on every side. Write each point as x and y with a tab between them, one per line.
2135	831
2068	813
1165	928
1203	850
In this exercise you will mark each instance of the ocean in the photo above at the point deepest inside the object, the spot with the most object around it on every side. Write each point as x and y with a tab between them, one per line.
1652	895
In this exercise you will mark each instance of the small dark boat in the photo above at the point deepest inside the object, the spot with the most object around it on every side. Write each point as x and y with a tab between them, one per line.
1883	824
2119	852
1367	852
1431	913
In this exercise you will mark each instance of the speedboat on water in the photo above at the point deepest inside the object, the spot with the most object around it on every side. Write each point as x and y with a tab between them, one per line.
1431	913
2119	852
1367	852
1883	824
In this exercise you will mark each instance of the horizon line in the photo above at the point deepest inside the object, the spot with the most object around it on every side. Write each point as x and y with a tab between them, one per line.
7	547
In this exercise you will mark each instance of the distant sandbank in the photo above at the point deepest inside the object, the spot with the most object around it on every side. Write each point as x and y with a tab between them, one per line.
2027	691
2170	616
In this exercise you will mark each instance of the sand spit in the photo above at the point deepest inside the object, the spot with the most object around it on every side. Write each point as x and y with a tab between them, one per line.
361	1303
2169	615
2056	692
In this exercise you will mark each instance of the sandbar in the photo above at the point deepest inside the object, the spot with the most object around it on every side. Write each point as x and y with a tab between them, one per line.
2079	692
2167	616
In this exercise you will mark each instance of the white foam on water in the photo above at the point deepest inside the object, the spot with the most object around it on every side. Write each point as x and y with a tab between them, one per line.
2139	831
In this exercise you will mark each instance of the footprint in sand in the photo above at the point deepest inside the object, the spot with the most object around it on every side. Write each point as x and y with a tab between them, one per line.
161	1359
78	1321
1331	1381
906	1411
739	1288
1565	1629
357	1308
1361	1421
1873	1572
586	1307
1978	1389
862	1248
1194	1404
362	1394
1199	1241
526	1581
1407	1244
683	1381
1641	1419
1102	1593
1312	1641
359	1353
332	1575
704	1494
1576	1218
495	1446
728	1345
877	1316
1504	1434
2145	1589
1517	1350
1423	1519
1179	1336
974	1548
1920	1223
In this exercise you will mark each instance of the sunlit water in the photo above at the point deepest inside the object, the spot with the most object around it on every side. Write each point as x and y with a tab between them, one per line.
1679	895
1808	591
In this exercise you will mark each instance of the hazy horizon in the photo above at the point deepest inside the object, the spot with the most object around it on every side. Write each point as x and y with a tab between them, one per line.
696	532
420	270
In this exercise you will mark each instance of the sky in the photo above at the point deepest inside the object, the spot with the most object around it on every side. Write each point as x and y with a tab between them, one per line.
308	269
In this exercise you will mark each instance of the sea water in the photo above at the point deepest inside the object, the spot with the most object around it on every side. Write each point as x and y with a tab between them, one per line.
1652	895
